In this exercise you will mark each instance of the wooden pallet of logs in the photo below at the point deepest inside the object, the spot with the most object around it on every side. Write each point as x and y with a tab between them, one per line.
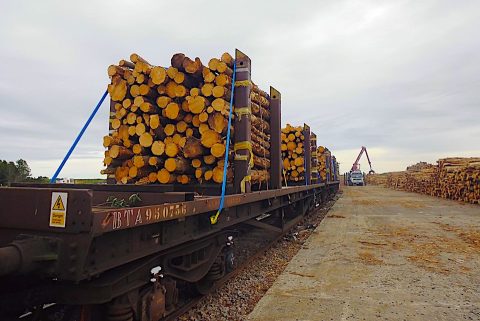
451	178
293	153
168	124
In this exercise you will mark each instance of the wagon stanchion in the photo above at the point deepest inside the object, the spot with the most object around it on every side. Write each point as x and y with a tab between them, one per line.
275	139
242	133
307	158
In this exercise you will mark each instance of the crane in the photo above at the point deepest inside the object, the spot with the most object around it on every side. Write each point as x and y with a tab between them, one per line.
356	167
355	176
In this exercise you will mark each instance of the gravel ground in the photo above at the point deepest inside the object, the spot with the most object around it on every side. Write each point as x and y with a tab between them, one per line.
239	295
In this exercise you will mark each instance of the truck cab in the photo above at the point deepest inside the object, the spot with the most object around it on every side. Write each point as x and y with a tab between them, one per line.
356	178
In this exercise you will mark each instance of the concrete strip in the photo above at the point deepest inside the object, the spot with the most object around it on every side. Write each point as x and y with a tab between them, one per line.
383	255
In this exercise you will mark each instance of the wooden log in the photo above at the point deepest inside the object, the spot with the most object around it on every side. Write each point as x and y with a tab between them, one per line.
109	141
218	150
260	150
221	92
207	89
183	179
118	88
260	111
116	70
259	100
177	61
258	176
171	149
121	173
126	64
218	122
227	59
209	138
193	148
261	135
165	177
178	165
135	172
172	111
196	163
146	139
208	75
156	162
193	67
260	141
260	124
158	148
120	152
197	104
261	162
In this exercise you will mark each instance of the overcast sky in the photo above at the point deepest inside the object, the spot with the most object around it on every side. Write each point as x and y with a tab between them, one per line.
400	77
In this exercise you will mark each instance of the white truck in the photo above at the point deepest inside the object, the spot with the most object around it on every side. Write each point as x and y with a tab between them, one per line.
355	178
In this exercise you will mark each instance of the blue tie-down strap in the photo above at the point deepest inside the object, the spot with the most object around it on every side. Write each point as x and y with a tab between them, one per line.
79	136
214	218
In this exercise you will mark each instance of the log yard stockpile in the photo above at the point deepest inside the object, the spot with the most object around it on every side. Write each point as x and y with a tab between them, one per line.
169	124
452	178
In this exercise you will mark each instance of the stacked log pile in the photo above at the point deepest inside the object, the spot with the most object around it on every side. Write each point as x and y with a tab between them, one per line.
293	153
323	157
377	179
314	160
260	136
458	179
335	169
169	124
452	178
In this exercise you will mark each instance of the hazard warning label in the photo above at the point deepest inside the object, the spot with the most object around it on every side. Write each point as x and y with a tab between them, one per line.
58	209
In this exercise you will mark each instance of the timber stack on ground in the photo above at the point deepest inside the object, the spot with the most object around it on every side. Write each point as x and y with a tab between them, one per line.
452	178
168	125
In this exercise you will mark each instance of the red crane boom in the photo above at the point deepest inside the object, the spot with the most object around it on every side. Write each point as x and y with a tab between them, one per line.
355	166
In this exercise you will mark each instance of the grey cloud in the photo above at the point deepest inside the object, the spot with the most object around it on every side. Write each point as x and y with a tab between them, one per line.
393	75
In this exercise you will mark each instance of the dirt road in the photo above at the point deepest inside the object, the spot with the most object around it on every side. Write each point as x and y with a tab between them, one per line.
383	255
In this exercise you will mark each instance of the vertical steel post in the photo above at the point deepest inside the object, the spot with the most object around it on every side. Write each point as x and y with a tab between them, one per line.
110	132
275	139
243	84
307	152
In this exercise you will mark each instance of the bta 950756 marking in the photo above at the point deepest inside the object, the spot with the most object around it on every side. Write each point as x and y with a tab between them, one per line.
130	217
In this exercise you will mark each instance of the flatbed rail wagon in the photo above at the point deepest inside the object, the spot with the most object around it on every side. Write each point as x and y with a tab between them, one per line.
133	252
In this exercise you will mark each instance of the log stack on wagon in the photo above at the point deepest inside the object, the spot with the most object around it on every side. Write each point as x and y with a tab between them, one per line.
451	178
293	153
335	172
313	158
324	163
169	124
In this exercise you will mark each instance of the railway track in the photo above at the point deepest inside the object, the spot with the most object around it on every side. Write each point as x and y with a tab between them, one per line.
316	216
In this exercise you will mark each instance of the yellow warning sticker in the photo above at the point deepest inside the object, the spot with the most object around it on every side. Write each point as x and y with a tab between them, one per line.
58	209
58	206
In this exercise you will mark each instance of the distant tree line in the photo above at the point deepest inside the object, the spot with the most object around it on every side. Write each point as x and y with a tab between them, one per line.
19	171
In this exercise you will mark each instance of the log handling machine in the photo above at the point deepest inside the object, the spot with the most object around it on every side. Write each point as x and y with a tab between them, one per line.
355	176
